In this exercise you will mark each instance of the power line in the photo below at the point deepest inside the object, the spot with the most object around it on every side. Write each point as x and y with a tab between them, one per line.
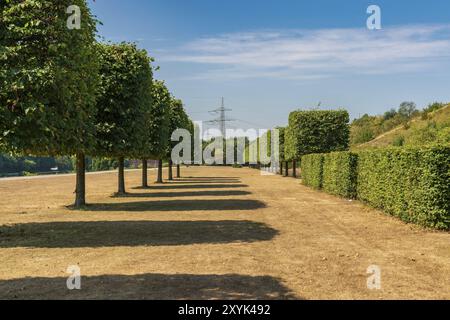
222	120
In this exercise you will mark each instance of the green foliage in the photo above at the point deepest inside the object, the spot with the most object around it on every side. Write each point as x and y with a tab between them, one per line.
407	110
178	119
399	141
411	183
316	132
367	128
125	100
339	174
15	165
281	131
312	170
48	78
158	131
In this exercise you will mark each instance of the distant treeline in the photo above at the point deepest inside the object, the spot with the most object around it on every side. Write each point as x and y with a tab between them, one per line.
10	165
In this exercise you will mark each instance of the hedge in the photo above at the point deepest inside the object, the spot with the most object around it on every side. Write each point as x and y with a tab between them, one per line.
412	184
316	131
339	174
312	170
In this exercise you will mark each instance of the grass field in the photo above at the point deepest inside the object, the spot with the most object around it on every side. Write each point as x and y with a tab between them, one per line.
216	233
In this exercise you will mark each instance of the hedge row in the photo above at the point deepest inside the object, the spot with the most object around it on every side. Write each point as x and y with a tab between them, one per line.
412	184
312	170
340	173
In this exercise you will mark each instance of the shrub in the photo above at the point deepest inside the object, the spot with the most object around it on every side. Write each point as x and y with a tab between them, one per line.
412	184
399	141
312	170
339	174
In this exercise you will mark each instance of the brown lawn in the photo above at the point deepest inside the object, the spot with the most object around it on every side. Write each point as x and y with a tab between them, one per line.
217	233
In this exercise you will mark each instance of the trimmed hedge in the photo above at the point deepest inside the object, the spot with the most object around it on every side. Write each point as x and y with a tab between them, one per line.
316	131
412	184
339	174
312	170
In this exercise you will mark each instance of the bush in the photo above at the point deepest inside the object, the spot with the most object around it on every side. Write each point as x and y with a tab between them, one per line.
412	184
312	170
339	174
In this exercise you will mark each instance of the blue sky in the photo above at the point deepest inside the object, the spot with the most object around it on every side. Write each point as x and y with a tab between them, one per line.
270	57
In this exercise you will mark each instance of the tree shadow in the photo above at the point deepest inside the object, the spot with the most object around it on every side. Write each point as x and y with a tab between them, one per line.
191	186
150	287
202	193
204	181
132	233
180	205
215	178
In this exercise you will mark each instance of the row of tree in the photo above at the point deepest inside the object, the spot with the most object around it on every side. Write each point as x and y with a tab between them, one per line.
64	93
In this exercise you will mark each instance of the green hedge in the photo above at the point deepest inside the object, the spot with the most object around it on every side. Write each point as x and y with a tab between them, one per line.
339	174
412	184
316	131
312	170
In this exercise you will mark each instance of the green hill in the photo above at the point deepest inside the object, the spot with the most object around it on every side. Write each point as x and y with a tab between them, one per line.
423	128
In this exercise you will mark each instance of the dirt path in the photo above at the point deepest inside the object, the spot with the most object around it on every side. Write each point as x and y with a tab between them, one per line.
217	233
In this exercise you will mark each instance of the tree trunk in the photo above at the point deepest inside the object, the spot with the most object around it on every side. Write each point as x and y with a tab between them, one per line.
281	167
170	170
121	176
160	170
178	171
80	191
144	173
286	169
294	169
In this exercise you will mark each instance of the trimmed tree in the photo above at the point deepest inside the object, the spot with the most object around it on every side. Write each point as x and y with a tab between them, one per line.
178	119
124	102
160	135
49	79
157	129
316	132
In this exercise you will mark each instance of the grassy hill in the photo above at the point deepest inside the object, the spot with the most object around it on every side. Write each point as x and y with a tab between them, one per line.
423	128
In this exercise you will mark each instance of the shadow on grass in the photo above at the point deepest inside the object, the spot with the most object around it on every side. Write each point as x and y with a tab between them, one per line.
191	186
179	205
150	287
200	193
132	233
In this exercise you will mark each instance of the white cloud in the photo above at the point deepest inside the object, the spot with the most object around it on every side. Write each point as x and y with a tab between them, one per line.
314	54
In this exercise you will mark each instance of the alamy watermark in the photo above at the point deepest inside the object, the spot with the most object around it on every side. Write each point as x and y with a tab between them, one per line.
374	280
74	280
74	20
374	20
236	147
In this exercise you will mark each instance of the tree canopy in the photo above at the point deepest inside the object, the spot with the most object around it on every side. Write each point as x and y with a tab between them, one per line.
124	101
48	77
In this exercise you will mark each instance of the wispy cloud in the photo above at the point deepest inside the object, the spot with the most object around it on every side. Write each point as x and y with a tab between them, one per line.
314	54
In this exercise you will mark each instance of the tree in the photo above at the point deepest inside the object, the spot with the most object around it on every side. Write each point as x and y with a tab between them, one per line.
124	102
178	119
158	128
316	132
407	109
49	78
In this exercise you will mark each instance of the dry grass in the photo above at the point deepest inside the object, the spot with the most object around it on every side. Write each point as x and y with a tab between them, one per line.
217	233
